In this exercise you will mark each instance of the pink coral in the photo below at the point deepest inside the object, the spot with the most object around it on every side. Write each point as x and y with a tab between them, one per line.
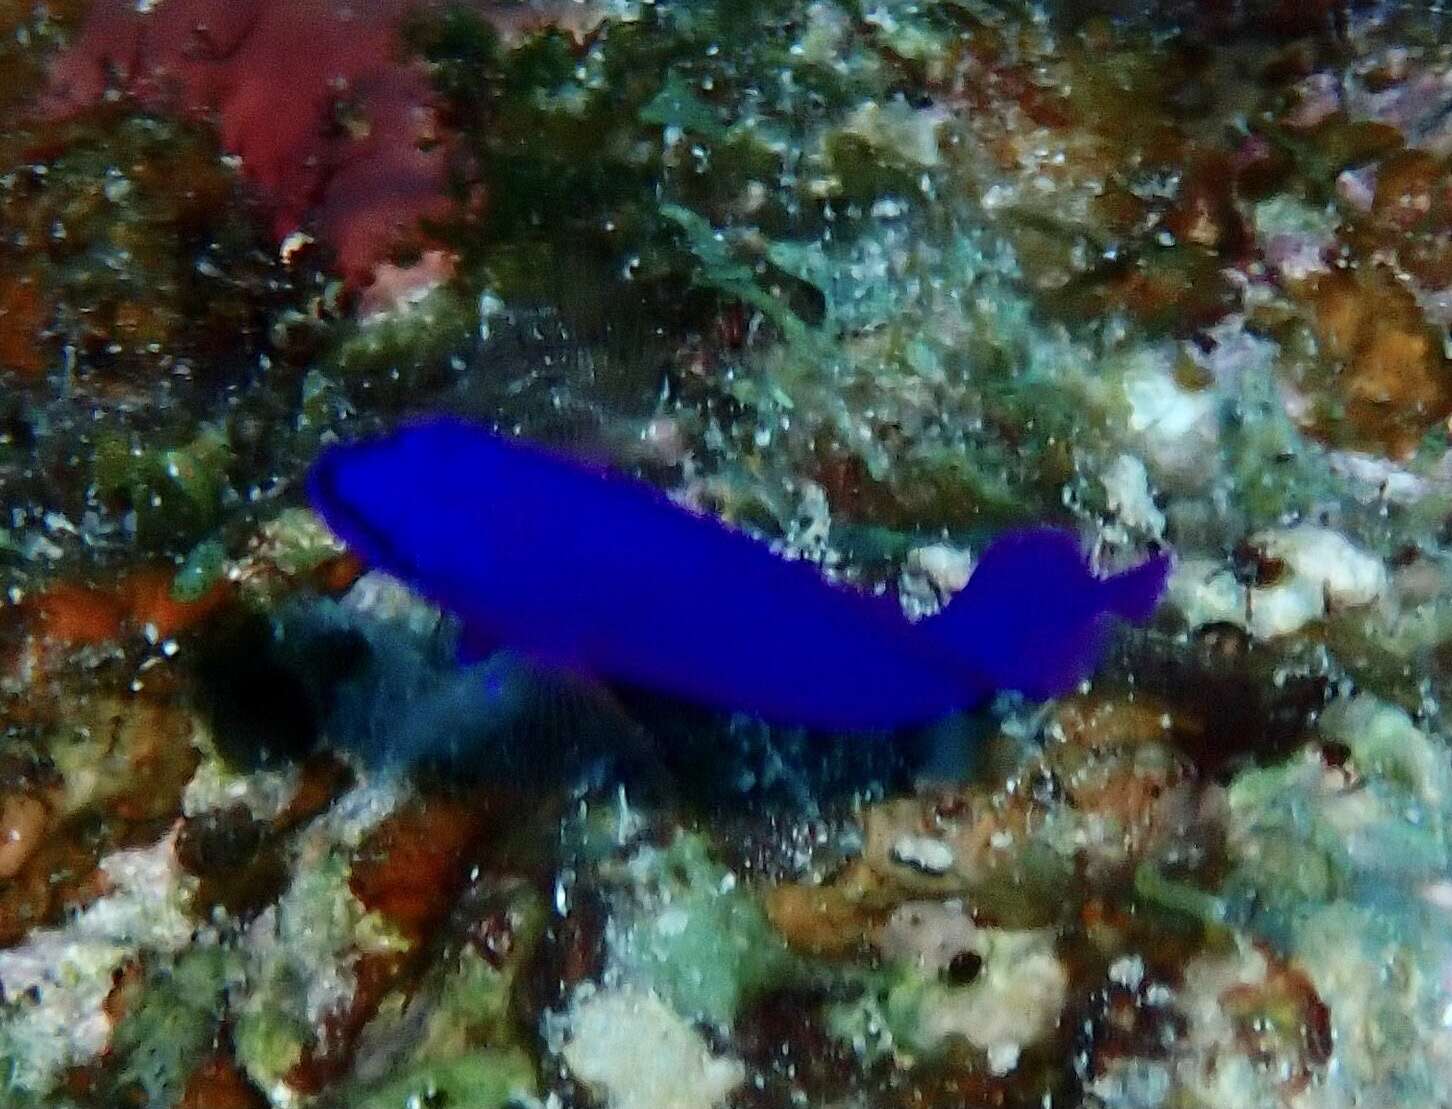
338	131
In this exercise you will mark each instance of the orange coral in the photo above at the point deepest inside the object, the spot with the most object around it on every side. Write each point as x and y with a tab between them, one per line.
23	314
1393	380
219	1084
150	603
72	615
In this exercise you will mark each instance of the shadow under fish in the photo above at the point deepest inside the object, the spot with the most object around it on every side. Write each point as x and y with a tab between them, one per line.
323	672
568	581
319	671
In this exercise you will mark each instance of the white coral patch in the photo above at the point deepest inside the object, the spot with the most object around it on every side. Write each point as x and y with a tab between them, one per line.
1014	1001
1285	608
1178	427
1321	572
931	575
946	568
1324	572
640	1054
1204	591
1162	408
1349	575
1127	493
1382	479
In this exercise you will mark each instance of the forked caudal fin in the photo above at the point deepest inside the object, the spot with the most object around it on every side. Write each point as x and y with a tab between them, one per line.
1033	616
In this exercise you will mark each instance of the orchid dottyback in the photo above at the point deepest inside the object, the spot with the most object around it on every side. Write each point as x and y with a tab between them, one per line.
599	574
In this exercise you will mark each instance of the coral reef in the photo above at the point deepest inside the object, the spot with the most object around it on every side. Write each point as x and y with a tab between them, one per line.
873	282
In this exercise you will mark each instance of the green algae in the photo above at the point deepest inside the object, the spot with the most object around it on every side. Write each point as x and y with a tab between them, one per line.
490	1079
317	923
398	348
693	935
619	167
175	492
474	1002
471	1048
1155	888
172	1026
722	269
200	571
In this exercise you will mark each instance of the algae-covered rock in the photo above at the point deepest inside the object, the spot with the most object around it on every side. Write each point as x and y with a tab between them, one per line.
175	493
1325	832
998	990
57	983
690	933
875	282
1340	865
488	1079
170	1028
302	954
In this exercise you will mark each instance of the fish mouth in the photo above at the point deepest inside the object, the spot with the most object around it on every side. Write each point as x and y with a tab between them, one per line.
326	494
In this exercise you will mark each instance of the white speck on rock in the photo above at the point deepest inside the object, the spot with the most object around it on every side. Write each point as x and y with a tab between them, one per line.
385	598
1285	607
946	568
931	575
1127	971
1127	489
1003	1057
356	813
931	856
1383	479
673	922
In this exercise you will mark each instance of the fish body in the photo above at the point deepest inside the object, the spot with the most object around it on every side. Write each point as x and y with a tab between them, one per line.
597	573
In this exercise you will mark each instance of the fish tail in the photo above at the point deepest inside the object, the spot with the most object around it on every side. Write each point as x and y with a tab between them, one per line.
1033	617
1133	594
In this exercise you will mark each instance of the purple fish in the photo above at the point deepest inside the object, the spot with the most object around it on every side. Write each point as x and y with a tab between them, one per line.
601	574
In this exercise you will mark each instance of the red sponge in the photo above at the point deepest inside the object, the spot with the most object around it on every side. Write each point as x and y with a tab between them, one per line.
338	131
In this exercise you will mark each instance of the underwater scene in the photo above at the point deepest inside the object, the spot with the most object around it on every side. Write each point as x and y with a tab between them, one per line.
725	554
